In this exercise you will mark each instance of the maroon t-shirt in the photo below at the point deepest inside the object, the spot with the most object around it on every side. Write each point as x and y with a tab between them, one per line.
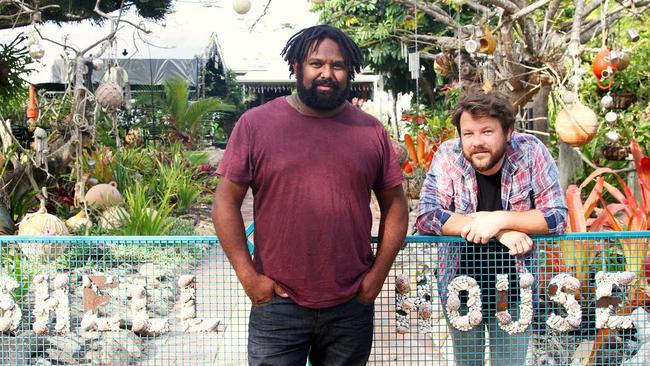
311	180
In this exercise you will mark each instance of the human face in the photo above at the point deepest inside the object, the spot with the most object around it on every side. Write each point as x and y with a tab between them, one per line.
323	77
484	142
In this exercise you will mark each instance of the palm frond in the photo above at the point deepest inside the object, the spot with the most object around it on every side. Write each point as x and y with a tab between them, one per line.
176	94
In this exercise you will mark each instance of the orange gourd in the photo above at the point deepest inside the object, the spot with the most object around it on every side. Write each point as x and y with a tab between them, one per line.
603	68
32	106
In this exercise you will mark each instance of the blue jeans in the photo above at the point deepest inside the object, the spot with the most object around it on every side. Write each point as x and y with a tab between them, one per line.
284	333
505	349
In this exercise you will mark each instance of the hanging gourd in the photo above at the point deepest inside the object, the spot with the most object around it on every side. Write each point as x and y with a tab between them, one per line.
603	68
576	124
36	51
620	60
488	43
41	223
109	95
32	106
241	6
103	195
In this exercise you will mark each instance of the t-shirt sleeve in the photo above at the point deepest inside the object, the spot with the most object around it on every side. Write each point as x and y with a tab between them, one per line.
237	162
390	174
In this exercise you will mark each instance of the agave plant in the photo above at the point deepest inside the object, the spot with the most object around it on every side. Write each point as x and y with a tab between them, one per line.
186	117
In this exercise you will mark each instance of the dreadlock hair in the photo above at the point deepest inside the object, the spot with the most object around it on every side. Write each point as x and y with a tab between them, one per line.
301	43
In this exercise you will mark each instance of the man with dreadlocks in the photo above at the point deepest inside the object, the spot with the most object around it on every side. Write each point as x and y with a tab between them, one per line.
312	160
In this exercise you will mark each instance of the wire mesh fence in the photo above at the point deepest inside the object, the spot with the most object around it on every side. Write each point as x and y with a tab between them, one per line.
176	301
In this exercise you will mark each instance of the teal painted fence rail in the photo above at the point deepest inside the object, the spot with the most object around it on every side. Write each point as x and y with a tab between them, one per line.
176	301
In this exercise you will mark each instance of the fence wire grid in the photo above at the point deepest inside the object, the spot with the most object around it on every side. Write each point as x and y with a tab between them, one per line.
177	301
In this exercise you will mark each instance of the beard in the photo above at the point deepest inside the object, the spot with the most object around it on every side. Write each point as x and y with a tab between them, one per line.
319	100
484	164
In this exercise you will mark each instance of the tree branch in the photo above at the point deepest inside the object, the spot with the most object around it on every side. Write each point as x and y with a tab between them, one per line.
506	5
266	7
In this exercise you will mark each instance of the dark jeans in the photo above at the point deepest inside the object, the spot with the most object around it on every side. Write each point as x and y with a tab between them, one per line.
284	333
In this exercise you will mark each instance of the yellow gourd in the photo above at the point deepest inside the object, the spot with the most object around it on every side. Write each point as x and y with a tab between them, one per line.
41	223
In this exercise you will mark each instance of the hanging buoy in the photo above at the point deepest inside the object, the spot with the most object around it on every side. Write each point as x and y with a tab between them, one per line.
241	6
576	124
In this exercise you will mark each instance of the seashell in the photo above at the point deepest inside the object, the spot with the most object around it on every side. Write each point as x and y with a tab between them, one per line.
504	317
7	304
604	290
407	305
40	327
138	291
574	321
140	324
186	296
572	283
86	282
210	325
614	322
52	302
526	280
401	330
472	301
88	321
5	323
39	278
424	311
185	281
402	285
188	312
453	302
626	277
61	281
138	304
471	281
475	317
600	275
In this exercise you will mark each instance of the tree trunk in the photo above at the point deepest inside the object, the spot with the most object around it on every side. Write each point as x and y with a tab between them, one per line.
540	113
393	116
570	166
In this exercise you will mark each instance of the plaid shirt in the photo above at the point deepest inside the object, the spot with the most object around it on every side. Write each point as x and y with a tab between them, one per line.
529	180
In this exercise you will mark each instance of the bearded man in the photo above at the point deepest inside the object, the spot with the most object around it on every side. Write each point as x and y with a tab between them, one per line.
491	183
312	161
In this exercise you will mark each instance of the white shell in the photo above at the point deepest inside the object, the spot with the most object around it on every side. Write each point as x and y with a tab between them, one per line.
185	281
5	324
40	328
61	281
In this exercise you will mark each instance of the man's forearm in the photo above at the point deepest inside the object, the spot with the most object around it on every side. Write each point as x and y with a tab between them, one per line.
455	223
529	222
229	226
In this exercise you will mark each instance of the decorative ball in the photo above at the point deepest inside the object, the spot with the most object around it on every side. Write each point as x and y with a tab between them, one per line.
109	95
241	6
36	51
41	223
576	124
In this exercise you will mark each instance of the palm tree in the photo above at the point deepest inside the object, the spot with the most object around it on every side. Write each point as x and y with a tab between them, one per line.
186	117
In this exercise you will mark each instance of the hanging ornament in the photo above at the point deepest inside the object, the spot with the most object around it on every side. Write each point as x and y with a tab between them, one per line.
471	46
36	51
603	68
612	136
633	34
241	6
607	101
614	150
611	118
32	106
488	43
109	95
576	124
442	64
620	59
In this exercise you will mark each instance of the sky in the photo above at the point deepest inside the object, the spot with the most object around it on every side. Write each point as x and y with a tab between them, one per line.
186	32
